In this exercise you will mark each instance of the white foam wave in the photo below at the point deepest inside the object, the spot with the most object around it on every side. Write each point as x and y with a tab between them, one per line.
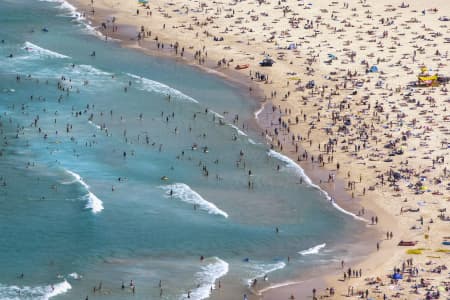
313	250
95	125
206	278
79	17
78	179
240	132
75	275
347	212
93	202
41	52
279	285
260	270
259	111
158	87
35	293
218	115
292	165
88	70
64	5
186	194
88	28
253	142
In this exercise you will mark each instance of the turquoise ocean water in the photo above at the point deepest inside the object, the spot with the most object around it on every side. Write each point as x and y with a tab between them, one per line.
82	200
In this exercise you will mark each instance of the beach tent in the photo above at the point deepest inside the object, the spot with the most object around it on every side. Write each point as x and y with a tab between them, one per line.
292	46
373	69
311	84
396	175
397	276
267	62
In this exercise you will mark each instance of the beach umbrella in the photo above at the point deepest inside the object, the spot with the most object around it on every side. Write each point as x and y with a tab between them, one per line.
373	69
397	276
143	1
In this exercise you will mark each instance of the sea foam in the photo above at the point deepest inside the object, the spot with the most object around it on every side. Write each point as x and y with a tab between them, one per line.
75	14
205	279
64	5
186	194
313	250
292	165
262	269
36	293
160	88
89	70
36	51
93	202
75	275
258	112
347	212
240	132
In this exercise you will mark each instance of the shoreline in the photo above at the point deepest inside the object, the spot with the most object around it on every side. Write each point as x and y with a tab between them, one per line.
243	84
317	174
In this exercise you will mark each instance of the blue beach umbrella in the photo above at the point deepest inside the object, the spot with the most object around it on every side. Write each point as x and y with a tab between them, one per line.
292	46
143	1
373	69
397	276
331	56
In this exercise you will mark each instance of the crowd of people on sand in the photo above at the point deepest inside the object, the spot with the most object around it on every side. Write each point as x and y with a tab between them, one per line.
371	127
364	136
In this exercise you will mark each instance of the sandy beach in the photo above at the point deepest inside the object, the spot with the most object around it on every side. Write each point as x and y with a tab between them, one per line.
341	96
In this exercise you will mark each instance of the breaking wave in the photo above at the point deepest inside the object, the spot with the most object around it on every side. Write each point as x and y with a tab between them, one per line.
206	278
158	87
292	165
33	293
313	250
186	194
93	202
36	51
